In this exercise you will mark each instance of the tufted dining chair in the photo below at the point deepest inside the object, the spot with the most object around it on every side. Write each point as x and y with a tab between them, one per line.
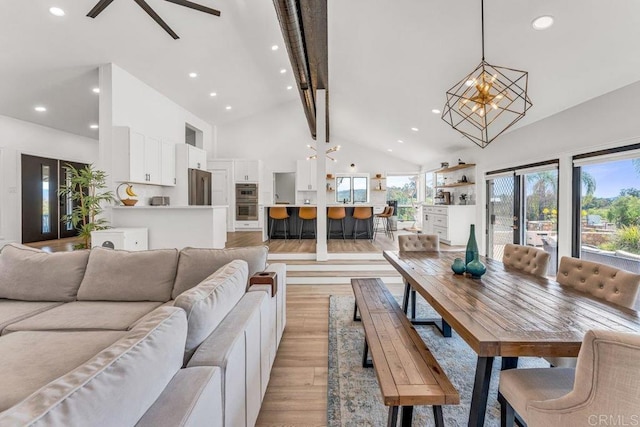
526	258
604	384
416	243
599	280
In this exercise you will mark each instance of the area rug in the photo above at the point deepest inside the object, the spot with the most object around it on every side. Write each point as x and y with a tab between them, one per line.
354	396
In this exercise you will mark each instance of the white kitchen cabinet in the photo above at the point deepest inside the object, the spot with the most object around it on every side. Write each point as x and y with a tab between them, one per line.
450	222
247	170
139	157
196	158
168	163
306	179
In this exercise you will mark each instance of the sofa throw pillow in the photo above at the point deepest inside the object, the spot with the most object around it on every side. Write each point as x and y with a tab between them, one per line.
210	301
32	275
196	264
117	275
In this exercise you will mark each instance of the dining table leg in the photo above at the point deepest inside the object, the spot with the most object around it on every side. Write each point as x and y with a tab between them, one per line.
480	391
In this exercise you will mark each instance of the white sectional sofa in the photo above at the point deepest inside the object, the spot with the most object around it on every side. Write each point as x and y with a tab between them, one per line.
152	338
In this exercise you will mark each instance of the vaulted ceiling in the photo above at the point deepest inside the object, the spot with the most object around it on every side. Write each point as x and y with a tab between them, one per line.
390	62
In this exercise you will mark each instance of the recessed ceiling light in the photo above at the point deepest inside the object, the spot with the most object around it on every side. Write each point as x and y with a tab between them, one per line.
56	11
415	129
401	141
213	94
436	111
40	109
389	150
96	90
542	22
228	107
274	47
193	75
94	126
289	87
283	71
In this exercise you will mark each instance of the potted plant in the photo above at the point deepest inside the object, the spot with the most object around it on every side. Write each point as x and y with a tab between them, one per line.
85	187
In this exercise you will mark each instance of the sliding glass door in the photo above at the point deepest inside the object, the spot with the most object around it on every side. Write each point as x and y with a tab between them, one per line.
500	215
522	208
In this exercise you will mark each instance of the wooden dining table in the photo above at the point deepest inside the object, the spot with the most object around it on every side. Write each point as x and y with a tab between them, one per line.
507	313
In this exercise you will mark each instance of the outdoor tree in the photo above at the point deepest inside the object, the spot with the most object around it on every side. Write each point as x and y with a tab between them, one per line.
625	211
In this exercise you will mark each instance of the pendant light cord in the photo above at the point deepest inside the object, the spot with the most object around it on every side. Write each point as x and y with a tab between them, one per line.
482	20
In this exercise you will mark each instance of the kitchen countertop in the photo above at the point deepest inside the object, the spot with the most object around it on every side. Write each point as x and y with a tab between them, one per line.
168	207
347	205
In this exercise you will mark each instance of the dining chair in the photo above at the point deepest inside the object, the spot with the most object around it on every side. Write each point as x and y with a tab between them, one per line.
307	213
526	258
278	214
603	384
416	243
602	281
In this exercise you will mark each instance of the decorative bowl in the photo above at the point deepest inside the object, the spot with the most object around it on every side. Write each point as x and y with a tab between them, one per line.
129	202
378	175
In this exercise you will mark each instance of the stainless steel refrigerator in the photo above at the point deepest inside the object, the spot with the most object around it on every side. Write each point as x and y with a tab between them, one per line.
199	187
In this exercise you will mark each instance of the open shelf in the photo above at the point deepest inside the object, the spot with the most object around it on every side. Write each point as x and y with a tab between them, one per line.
457	184
456	168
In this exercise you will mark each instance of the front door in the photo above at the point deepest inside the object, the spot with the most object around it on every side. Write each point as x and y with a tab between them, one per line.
39	199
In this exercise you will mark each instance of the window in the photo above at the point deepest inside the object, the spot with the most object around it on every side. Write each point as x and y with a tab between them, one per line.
404	190
352	189
429	190
607	209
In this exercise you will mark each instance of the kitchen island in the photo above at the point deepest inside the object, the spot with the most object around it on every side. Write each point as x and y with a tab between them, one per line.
293	226
176	226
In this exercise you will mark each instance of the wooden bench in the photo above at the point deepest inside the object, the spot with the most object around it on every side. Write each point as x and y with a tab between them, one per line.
407	372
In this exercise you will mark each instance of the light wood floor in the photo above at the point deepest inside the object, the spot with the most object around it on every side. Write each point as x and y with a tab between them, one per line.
297	392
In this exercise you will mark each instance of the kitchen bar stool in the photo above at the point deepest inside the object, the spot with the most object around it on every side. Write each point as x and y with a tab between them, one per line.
383	219
362	213
336	214
278	214
307	213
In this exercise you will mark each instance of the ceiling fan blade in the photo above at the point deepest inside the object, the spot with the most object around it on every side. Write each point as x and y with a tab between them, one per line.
99	7
143	4
195	6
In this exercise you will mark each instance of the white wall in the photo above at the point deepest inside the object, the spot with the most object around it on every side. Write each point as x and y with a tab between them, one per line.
610	120
18	137
280	136
128	101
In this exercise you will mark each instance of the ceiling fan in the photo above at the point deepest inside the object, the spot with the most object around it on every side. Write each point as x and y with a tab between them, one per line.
102	4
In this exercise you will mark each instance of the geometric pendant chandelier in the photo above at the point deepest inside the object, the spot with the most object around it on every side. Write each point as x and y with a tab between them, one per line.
328	152
487	101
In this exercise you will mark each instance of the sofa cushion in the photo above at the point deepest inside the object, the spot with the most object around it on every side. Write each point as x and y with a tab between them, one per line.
14	311
116	386
195	264
31	360
86	315
32	275
115	275
209	302
193	398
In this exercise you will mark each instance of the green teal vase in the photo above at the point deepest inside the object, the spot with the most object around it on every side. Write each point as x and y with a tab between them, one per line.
476	268
458	266
472	246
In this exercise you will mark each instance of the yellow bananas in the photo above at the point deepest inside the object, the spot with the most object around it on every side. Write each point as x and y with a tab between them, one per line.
129	191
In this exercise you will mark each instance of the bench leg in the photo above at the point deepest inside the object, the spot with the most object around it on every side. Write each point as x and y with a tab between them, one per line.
407	416
392	421
509	363
437	416
366	363
355	313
